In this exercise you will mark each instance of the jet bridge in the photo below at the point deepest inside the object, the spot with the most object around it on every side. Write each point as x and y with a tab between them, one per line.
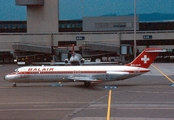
103	47
25	54
95	47
32	47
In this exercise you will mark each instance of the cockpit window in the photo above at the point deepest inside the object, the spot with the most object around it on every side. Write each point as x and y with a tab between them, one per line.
16	70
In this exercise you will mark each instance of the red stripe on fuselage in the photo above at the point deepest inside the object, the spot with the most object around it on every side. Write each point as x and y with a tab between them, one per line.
63	72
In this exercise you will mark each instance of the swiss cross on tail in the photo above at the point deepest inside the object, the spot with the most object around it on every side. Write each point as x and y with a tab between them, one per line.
145	58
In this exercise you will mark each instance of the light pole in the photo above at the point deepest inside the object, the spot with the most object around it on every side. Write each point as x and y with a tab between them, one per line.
135	50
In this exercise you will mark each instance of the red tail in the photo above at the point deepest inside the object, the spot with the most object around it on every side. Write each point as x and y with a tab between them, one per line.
145	58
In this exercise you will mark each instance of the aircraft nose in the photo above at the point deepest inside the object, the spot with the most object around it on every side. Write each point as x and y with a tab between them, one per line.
6	77
11	77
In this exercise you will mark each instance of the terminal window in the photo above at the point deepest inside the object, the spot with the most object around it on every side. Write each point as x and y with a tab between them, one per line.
110	25
122	24
101	25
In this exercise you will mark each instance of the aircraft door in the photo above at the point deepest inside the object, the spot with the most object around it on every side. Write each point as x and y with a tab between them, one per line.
23	73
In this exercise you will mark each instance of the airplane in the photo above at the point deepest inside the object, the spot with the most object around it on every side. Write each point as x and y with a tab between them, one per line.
75	59
86	74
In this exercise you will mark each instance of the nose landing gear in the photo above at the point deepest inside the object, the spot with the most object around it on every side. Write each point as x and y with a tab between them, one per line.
14	84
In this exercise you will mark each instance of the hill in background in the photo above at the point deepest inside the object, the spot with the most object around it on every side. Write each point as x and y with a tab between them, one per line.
151	17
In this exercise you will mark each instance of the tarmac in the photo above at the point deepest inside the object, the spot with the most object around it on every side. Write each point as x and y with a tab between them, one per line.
146	97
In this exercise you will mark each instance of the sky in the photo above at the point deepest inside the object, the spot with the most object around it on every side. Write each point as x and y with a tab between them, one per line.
76	9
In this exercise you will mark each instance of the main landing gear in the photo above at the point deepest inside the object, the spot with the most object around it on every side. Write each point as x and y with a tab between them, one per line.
87	84
14	84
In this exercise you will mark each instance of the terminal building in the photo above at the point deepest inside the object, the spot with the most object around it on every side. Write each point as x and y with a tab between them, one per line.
43	35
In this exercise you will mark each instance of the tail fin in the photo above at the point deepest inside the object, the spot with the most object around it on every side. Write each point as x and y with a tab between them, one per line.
145	58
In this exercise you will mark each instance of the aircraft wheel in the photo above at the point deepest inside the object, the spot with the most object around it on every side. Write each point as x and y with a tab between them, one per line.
14	84
87	84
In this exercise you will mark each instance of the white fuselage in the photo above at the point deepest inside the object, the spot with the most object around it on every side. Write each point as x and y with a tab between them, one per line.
31	74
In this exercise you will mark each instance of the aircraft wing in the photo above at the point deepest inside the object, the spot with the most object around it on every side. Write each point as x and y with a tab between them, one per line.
82	79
